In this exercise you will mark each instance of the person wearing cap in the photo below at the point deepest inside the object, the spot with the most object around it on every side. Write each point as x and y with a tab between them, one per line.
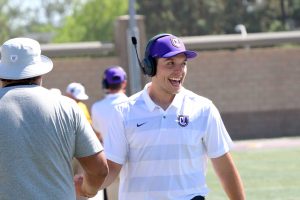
76	91
161	138
114	83
41	132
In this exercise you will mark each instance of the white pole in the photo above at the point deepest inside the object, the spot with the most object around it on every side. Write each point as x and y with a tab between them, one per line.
134	69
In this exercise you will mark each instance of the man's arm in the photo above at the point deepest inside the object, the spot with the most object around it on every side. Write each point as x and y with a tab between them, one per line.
229	177
114	170
95	171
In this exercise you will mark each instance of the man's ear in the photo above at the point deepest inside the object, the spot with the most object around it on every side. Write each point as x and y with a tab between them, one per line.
124	84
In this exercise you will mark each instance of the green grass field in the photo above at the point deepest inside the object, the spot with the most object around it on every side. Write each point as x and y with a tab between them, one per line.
268	174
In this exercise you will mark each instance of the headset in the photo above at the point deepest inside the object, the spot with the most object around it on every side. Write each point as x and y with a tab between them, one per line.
105	84
149	63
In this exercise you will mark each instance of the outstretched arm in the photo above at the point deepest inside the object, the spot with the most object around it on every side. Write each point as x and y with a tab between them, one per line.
229	177
114	170
95	171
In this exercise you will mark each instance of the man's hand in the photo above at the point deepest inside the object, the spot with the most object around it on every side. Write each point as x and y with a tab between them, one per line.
80	191
95	171
78	180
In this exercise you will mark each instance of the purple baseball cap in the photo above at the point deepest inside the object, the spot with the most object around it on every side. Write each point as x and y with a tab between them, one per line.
169	46
114	75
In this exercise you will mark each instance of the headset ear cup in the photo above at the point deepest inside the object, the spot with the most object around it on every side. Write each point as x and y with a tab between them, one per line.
154	66
148	66
149	62
104	84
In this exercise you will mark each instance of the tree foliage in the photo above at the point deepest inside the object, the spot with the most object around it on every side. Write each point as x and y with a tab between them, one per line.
8	13
206	17
92	21
24	18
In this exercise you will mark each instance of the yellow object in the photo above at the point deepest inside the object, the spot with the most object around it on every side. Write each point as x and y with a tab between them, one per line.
85	110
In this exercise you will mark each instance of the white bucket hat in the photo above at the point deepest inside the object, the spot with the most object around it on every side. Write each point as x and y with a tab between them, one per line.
21	59
77	91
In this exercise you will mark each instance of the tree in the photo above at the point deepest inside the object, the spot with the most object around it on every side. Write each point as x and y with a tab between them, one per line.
31	18
92	21
8	14
49	13
176	16
207	17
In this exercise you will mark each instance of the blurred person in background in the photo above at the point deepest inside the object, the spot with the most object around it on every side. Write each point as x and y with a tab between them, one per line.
114	83
41	132
76	91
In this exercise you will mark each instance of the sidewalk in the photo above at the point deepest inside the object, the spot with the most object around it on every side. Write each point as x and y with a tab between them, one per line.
283	142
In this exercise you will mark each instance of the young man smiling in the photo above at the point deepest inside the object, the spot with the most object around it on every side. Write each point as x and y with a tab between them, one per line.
161	137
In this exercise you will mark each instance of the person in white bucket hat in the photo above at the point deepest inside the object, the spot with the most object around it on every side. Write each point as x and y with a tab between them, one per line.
41	132
22	59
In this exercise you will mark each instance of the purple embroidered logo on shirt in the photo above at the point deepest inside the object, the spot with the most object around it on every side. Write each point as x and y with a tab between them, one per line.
183	120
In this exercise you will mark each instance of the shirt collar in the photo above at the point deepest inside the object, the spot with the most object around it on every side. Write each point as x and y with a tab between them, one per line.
110	96
177	101
148	101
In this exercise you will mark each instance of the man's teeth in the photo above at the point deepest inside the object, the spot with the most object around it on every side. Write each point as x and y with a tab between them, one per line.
175	79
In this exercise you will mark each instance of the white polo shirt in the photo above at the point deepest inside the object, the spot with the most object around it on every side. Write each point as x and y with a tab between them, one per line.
164	153
101	111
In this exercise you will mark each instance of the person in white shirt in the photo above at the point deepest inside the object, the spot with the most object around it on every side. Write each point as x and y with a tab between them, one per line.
160	140
114	83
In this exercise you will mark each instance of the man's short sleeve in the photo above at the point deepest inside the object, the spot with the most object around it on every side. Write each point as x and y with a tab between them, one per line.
87	142
216	139
115	142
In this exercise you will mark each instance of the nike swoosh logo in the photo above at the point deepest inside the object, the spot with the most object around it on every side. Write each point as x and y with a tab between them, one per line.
138	125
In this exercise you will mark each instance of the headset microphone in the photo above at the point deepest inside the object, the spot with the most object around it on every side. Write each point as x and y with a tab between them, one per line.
134	42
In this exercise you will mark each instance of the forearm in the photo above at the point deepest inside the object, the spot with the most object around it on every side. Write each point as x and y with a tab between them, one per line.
233	186
95	171
114	170
109	180
91	184
229	177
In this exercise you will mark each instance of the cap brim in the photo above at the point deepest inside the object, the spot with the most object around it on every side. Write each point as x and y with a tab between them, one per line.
29	71
188	54
82	97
